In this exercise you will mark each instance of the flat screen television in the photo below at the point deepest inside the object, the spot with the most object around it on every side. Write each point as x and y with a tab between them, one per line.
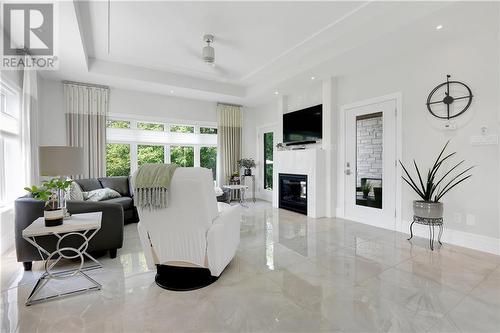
303	125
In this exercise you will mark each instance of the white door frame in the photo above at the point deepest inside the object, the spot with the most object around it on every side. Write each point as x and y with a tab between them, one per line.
259	176
397	97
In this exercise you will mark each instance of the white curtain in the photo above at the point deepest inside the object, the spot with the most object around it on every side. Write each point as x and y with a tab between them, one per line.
228	140
86	109
29	126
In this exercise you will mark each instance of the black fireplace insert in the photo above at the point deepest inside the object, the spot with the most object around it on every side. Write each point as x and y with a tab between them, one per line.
293	192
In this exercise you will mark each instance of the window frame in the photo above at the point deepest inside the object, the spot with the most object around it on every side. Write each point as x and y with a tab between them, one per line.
10	127
135	136
265	164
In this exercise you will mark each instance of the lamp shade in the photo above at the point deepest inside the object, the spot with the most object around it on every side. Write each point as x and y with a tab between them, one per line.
61	160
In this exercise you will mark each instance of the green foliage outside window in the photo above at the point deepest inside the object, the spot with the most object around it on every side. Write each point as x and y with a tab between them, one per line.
151	126
208	130
208	159
181	129
182	156
117	124
117	159
268	158
150	154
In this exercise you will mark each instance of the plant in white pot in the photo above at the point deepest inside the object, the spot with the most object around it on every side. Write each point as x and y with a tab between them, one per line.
434	187
247	164
51	193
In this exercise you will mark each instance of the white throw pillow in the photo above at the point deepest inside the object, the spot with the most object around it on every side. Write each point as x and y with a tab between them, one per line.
74	192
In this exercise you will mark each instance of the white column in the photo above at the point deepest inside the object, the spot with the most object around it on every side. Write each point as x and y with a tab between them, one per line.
329	142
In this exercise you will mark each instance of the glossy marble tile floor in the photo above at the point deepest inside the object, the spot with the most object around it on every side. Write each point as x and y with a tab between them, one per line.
291	274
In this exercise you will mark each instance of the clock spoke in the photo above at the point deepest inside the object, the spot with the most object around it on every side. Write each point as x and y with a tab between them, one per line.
434	102
455	98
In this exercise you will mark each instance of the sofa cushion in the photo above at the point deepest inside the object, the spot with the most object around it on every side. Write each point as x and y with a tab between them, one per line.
119	184
126	202
101	194
74	192
89	184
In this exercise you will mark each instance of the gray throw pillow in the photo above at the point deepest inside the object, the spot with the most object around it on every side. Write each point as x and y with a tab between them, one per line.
74	192
101	194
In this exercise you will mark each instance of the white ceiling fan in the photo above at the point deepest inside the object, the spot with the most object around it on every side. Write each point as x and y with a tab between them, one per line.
208	52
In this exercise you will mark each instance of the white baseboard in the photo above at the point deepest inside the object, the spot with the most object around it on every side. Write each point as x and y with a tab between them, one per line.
450	236
457	237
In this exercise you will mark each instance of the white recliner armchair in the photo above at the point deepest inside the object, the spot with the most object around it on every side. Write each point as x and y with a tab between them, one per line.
194	238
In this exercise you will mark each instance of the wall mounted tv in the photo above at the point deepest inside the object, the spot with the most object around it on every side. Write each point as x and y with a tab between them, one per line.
303	125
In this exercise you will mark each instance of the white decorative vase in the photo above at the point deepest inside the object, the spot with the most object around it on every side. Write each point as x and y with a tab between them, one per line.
428	209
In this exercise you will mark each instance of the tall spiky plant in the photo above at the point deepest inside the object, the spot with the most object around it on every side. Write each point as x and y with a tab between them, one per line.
433	189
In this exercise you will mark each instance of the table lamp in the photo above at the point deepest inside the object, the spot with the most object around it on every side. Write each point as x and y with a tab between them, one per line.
60	161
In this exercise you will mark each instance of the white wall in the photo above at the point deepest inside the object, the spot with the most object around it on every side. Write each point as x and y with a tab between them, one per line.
253	119
470	54
122	102
471	57
128	102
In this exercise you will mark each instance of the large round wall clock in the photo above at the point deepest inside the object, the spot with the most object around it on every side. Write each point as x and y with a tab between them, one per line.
449	99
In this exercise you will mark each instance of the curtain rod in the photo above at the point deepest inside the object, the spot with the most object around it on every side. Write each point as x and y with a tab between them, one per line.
86	84
229	104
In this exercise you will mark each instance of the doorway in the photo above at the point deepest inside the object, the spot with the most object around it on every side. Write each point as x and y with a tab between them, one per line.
265	167
370	169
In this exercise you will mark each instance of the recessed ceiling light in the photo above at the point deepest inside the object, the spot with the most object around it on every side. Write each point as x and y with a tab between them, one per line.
313	78
276	92
171	91
439	27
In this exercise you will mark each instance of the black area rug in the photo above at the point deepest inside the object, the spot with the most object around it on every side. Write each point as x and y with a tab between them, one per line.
183	278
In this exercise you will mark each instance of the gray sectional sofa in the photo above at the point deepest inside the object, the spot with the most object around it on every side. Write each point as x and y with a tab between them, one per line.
115	213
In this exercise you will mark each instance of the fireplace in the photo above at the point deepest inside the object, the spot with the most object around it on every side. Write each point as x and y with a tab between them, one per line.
293	192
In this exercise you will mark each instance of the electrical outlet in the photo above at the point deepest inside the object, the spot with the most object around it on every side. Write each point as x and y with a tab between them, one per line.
457	218
470	219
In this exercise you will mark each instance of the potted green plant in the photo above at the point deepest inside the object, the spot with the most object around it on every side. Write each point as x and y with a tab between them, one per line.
235	178
247	164
52	193
366	188
434	188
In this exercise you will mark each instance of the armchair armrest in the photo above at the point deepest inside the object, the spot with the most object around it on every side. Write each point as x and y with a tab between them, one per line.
223	239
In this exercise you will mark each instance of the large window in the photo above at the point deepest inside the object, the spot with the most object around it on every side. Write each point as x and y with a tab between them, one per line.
208	159
157	141
12	176
151	126
117	159
208	130
117	124
181	129
150	154
268	161
182	156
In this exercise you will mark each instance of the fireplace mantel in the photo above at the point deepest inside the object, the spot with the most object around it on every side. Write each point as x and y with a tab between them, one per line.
310	162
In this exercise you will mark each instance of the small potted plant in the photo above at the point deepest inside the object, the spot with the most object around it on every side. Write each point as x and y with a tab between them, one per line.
366	188
235	178
51	192
247	164
434	188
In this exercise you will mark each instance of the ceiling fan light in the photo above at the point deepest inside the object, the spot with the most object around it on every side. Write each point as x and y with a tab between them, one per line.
208	54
